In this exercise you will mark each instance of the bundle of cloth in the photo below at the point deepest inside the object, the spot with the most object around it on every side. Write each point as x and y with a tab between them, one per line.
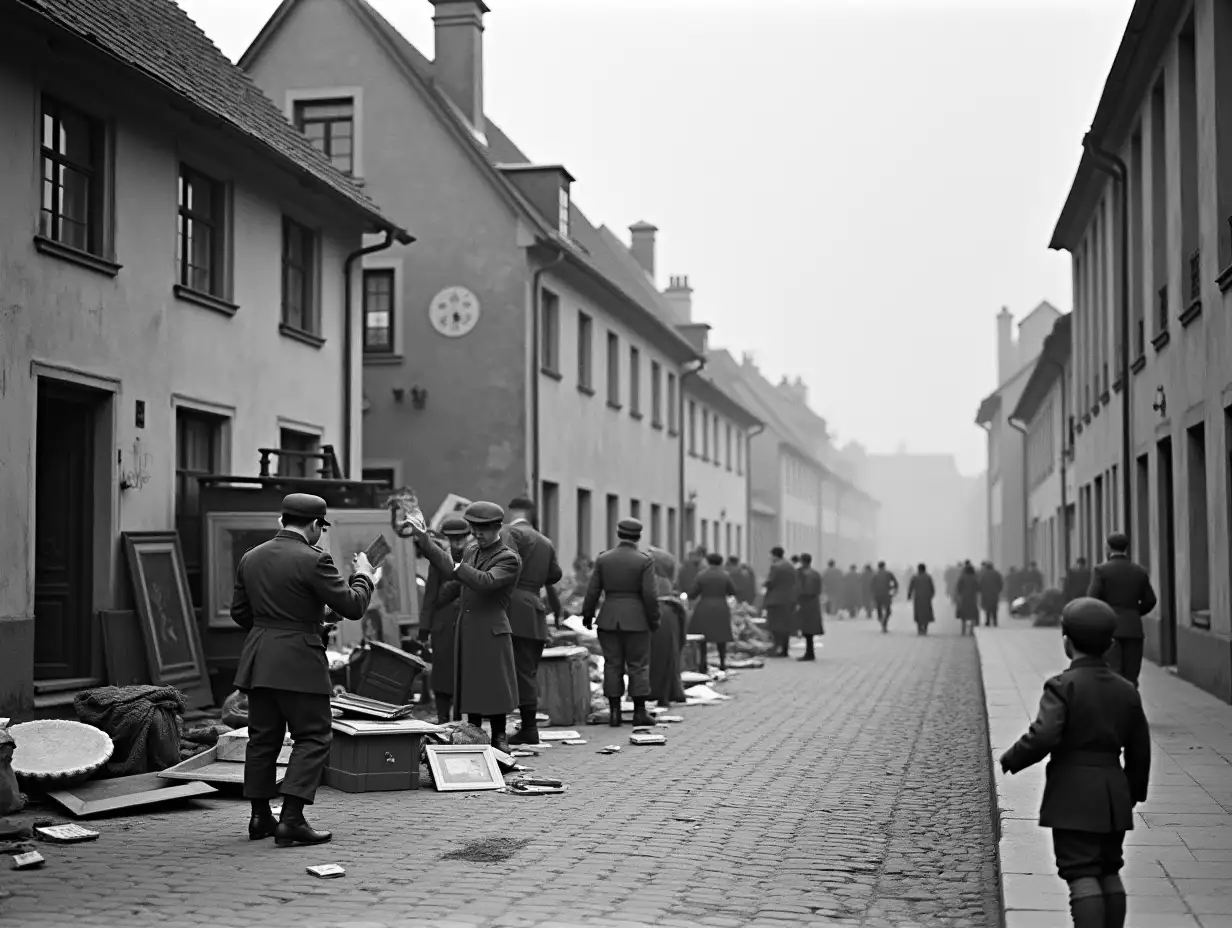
669	637
143	721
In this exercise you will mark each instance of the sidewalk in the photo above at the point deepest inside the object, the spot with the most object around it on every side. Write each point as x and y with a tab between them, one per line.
1179	855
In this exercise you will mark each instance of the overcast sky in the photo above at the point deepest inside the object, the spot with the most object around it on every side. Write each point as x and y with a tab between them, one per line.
853	188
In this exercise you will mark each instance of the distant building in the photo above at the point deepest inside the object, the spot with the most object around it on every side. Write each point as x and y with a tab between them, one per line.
175	289
1042	408
1166	114
503	354
1008	543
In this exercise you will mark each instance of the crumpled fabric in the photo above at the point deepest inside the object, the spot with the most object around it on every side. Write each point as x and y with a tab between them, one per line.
142	722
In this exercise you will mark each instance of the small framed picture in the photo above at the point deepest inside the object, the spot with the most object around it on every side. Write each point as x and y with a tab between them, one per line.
463	766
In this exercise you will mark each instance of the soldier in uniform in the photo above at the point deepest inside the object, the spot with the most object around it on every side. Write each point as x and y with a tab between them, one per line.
625	578
485	685
439	619
282	588
782	592
1126	587
527	612
808	608
1088	715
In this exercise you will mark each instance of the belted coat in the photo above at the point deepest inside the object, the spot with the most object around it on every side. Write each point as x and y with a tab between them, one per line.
808	607
440	617
711	614
625	578
281	590
540	569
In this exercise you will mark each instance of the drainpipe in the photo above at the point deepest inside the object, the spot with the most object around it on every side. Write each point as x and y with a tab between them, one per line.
536	336
748	488
685	374
1110	164
348	362
1026	494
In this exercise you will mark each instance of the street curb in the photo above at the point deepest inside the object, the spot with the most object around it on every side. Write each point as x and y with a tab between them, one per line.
994	807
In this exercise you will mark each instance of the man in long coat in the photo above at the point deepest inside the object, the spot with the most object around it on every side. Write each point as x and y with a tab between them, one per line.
991	586
782	592
281	590
808	606
486	683
884	587
668	639
742	579
868	600
438	622
920	590
527	612
625	579
832	586
1126	587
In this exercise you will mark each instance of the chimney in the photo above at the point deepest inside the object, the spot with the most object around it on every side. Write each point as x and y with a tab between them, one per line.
458	68
680	295
1005	345
697	334
643	246
796	391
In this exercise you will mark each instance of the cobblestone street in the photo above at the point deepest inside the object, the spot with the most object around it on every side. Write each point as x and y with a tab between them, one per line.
852	792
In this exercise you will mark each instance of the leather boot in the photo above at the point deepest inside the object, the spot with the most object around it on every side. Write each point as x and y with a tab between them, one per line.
499	741
1086	903
444	702
529	733
292	827
614	709
640	715
1116	906
262	824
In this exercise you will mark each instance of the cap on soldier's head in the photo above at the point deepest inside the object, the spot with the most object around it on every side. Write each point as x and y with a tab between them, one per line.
1118	541
304	506
455	527
484	513
1089	624
629	528
806	559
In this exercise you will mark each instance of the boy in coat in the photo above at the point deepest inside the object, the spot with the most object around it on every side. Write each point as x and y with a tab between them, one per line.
1088	716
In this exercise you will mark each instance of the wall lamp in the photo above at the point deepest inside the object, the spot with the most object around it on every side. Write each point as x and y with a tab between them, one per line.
419	396
1161	401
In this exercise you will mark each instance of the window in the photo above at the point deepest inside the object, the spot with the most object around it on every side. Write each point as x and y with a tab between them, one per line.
613	518
200	233
635	508
692	428
1099	529
298	464
702	539
635	383
727	457
705	435
739	552
298	272
717	438
672	527
73	179
563	217
583	523
727	537
715	529
1159	206
585	371
656	525
198	453
383	475
613	370
330	127
549	510
549	332
673	406
1199	539
656	395
379	311
740	440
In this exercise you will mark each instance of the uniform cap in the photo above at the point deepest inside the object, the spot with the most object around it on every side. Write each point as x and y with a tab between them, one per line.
629	528
484	513
1089	624
304	506
455	526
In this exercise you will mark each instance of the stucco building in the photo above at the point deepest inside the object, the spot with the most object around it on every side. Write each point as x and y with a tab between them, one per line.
502	355
1008	541
1043	411
1166	115
173	272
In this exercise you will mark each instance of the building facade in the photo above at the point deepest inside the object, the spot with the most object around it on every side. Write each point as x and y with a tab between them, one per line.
500	356
1008	541
173	272
1166	116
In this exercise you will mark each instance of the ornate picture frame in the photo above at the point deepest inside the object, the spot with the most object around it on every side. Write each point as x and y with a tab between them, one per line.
168	621
228	536
396	597
463	767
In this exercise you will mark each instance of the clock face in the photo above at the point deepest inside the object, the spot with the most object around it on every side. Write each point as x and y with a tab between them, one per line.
454	311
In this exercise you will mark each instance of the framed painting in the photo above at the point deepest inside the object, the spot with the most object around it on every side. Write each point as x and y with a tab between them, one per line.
453	504
463	766
160	587
396	599
228	537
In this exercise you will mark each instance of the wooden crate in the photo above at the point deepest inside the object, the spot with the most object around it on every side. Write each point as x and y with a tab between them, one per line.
693	657
366	757
564	685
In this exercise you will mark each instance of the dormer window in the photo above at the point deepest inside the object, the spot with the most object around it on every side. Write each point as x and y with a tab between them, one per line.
564	211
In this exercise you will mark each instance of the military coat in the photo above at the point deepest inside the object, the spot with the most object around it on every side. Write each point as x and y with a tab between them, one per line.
625	578
527	612
281	590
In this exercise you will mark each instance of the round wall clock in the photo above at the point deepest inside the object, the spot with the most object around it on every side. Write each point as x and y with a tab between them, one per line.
454	311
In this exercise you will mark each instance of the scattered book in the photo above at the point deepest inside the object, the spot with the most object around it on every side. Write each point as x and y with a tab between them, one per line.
65	834
647	739
327	871
27	861
372	708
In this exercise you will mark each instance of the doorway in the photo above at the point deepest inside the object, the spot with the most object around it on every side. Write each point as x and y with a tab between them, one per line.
64	505
1167	557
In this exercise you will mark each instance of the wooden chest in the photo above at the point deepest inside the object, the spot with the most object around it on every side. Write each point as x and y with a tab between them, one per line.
387	673
564	685
369	756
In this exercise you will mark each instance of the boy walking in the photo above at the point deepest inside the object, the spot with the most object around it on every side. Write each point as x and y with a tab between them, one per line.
1088	715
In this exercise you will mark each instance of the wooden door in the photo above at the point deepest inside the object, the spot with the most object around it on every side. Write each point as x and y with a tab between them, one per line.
1166	582
63	533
